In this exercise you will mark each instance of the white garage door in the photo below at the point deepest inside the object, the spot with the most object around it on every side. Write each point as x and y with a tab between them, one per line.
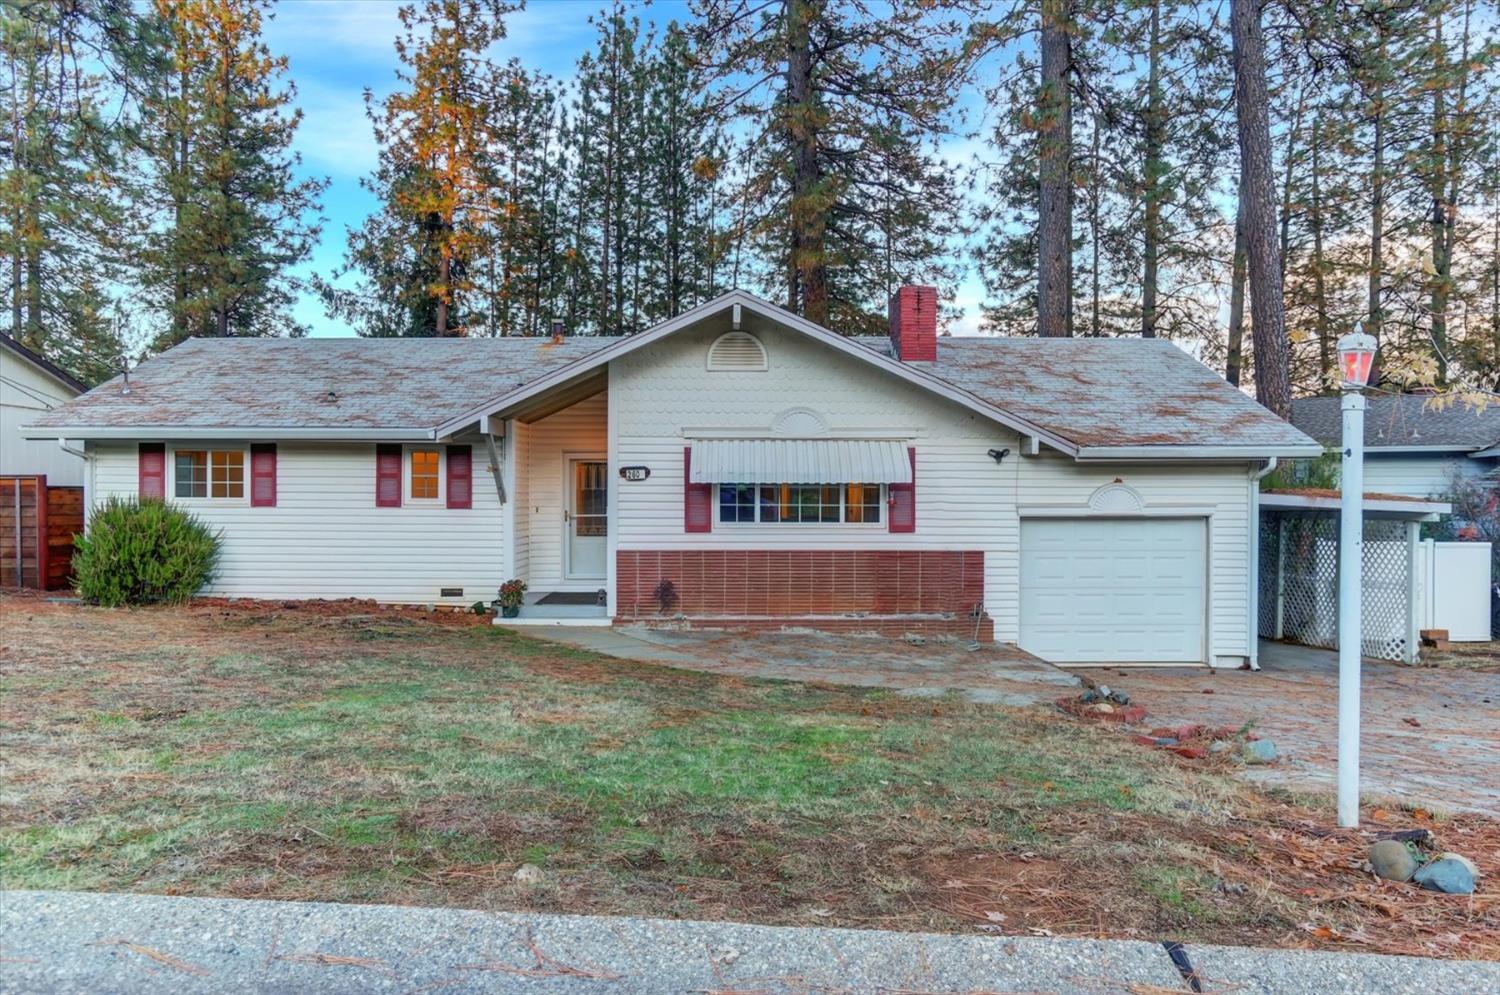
1100	590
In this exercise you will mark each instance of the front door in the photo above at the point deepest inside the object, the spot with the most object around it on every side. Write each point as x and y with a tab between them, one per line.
587	519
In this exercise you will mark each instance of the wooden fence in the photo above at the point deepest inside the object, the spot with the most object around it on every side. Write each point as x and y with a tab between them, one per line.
37	525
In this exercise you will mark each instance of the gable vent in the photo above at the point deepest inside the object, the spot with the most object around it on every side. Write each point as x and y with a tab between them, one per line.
736	351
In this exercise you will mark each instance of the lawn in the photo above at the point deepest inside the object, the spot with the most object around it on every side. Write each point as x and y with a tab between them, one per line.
345	754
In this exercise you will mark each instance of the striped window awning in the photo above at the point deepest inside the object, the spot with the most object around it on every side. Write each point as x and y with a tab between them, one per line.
800	461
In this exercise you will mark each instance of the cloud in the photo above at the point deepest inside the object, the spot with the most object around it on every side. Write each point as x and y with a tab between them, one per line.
328	29
335	136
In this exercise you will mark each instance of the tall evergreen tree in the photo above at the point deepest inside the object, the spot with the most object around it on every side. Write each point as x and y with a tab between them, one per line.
60	191
415	256
221	123
1252	110
842	102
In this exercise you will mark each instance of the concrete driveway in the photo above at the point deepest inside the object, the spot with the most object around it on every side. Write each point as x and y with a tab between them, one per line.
1430	736
992	673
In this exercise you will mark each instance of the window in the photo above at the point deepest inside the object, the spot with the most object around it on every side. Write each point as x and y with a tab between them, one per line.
801	503
424	474
209	473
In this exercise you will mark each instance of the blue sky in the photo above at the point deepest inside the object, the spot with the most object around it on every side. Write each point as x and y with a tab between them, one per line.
339	48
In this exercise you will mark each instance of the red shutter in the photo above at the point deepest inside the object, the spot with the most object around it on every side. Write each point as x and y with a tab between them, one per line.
153	471
697	499
460	477
903	500
263	475
387	476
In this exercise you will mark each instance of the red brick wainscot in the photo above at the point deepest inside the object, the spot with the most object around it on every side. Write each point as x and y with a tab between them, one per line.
892	592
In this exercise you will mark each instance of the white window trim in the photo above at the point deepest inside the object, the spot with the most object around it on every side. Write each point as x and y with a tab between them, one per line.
758	525
406	476
208	500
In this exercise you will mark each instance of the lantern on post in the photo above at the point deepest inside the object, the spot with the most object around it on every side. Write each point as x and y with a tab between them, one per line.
1356	357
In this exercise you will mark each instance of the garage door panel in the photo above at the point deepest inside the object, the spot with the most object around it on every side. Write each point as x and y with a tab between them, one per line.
1114	590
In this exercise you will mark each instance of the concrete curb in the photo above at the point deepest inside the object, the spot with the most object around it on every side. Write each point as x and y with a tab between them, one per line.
85	942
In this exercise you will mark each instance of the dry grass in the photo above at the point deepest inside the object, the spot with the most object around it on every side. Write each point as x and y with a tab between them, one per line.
347	754
1483	657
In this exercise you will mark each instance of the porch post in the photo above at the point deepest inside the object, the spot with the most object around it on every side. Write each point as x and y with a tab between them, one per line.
507	480
1413	540
612	494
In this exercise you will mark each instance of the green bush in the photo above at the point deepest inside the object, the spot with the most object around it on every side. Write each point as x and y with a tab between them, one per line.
138	553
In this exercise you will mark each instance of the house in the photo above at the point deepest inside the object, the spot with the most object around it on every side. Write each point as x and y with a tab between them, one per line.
1413	446
30	386
1090	499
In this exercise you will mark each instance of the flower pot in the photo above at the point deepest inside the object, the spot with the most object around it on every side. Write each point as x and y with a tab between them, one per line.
510	611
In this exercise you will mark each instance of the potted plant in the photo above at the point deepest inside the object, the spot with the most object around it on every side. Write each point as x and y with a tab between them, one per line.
512	592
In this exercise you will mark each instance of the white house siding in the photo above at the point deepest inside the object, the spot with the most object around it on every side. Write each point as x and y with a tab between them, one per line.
326	539
1420	474
582	430
27	393
964	500
1218	492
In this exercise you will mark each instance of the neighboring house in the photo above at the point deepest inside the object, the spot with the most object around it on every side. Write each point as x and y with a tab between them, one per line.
1090	499
1413	447
30	386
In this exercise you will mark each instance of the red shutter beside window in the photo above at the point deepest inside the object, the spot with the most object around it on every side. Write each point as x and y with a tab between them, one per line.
460	477
263	475
697	499
387	476
903	500
152	472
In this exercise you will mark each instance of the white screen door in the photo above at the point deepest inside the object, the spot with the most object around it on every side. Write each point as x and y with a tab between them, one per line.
588	519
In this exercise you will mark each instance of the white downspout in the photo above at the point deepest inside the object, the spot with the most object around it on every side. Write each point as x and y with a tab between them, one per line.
1253	631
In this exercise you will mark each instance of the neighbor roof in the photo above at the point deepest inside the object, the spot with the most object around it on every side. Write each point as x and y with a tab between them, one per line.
1404	421
1094	398
42	363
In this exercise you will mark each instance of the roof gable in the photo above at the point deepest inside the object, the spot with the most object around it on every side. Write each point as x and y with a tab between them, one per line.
727	303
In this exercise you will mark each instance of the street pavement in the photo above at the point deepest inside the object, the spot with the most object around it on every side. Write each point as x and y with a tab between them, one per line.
68	942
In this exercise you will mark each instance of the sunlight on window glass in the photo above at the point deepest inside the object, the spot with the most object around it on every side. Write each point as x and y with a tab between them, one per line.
227	474
424	474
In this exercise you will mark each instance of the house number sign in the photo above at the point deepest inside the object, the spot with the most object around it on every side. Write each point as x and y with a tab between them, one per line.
634	472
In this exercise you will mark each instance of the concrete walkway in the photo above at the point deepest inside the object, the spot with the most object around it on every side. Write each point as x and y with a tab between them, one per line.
83	942
991	673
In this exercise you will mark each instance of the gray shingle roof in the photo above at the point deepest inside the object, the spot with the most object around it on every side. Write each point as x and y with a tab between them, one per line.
1109	392
1090	392
1399	420
285	383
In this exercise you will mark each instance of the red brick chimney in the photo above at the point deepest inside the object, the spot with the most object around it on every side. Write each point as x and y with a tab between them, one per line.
914	324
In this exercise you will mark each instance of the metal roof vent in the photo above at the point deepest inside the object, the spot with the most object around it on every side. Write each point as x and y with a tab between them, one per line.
737	352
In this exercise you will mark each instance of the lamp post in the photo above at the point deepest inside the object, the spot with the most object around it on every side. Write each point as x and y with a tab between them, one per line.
1356	355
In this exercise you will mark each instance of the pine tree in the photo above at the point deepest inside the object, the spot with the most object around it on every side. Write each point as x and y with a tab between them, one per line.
60	192
437	159
1252	109
221	122
842	190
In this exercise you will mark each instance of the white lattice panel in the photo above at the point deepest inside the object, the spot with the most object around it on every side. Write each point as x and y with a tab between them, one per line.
1299	601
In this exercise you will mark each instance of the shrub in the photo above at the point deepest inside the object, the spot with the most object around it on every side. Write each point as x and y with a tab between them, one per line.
143	552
